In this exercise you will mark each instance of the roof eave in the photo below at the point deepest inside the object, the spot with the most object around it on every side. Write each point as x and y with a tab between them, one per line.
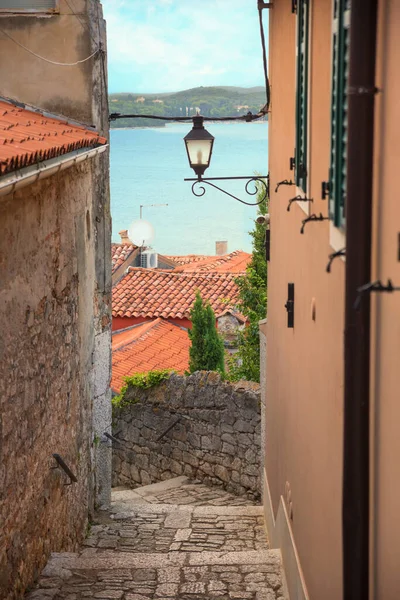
29	175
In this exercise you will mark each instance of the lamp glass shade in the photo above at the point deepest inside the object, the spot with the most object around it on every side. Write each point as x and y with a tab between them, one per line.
199	152
199	144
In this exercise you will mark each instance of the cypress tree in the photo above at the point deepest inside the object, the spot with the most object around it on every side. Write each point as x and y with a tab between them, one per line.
245	364
207	350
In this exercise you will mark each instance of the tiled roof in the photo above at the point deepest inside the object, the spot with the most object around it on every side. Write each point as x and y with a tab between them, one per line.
151	346
168	294
28	137
119	254
235	262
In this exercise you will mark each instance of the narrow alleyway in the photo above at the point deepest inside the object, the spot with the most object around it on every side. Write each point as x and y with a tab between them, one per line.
175	539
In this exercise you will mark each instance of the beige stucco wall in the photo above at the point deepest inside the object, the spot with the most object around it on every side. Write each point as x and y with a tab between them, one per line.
304	378
304	366
386	314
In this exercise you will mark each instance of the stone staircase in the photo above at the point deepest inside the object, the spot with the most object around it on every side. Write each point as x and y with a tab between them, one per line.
175	539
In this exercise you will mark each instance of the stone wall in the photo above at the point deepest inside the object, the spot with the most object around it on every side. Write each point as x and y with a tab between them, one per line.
217	439
55	276
51	313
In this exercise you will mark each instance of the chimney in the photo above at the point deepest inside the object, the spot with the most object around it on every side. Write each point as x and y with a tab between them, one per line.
124	236
221	248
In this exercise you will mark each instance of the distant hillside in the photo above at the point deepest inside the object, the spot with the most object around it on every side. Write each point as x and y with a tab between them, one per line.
211	101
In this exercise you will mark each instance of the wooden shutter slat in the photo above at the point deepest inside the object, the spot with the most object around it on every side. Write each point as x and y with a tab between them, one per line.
302	94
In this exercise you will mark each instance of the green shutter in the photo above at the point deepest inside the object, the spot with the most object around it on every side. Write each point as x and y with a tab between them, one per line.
302	93
340	73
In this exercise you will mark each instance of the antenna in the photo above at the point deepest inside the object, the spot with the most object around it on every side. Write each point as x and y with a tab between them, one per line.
141	233
146	205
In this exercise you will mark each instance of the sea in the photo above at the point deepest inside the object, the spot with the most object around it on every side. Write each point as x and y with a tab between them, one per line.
149	165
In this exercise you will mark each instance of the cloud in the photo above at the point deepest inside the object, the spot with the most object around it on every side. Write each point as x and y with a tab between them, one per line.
176	44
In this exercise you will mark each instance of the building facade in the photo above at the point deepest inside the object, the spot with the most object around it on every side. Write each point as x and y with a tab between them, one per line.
55	272
331	375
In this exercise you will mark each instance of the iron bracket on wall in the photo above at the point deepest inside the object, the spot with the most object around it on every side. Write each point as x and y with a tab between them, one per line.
298	199
325	190
341	252
374	286
284	182
63	465
290	306
108	437
252	179
261	4
164	433
313	218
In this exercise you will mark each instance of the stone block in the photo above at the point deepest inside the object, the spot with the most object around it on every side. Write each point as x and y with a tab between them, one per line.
225	427
135	474
228	437
222	473
228	449
210	442
145	477
190	459
141	461
176	467
243	426
177	454
193	439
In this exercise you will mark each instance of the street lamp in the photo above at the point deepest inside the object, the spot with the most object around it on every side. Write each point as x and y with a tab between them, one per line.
199	144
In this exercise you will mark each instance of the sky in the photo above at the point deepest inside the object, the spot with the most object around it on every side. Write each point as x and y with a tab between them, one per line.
171	45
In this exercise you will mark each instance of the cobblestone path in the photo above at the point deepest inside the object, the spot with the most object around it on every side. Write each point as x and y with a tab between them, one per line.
177	539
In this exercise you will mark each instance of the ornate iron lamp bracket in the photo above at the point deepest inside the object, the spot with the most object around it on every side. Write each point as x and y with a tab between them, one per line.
201	190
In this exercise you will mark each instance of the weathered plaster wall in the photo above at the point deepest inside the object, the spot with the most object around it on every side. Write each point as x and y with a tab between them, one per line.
55	308
60	38
216	441
48	310
77	92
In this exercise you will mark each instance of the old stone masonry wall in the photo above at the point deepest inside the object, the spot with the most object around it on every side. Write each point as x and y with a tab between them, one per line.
216	440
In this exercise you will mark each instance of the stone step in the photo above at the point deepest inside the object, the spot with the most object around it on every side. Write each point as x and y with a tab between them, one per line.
171	528
176	539
179	490
253	575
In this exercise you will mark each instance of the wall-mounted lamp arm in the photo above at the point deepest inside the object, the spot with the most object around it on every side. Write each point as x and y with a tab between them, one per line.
332	257
374	286
298	199
284	182
311	218
260	180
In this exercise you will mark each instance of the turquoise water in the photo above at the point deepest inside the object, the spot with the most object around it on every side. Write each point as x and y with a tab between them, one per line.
148	166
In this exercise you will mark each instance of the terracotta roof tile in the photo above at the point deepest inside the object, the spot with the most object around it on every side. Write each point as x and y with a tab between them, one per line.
168	294
120	253
147	347
28	137
235	262
188	258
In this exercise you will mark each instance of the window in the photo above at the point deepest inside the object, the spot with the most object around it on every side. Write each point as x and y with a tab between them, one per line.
28	6
302	93
340	72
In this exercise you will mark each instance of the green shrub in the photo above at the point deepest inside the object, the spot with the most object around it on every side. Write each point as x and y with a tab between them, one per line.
139	380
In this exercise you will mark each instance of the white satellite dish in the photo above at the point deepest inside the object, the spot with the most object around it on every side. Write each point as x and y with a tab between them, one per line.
141	233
